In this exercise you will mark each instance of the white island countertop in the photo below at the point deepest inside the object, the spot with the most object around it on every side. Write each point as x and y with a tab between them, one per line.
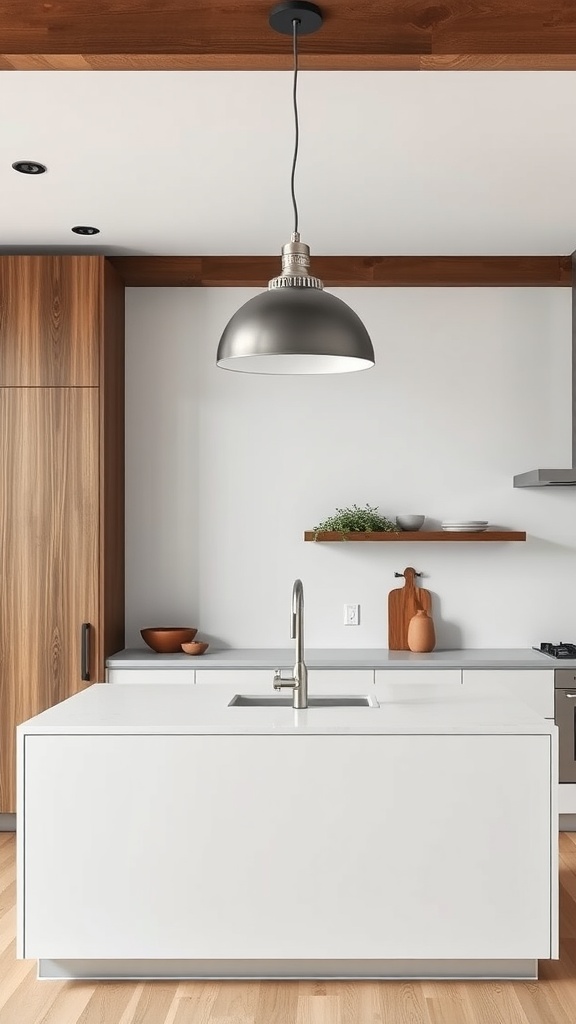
175	710
339	658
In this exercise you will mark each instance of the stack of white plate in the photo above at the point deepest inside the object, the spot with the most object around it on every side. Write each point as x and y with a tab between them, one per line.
464	525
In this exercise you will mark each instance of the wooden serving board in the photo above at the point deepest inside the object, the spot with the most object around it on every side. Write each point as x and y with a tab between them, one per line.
403	603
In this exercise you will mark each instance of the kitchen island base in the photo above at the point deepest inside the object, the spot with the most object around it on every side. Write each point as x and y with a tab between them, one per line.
164	831
287	970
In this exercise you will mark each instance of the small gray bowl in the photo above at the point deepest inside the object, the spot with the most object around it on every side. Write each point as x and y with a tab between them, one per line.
410	523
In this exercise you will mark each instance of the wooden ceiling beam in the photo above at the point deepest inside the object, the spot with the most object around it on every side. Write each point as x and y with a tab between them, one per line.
349	271
279	62
203	35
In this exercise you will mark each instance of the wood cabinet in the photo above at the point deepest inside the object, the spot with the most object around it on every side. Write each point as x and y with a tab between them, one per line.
50	321
61	484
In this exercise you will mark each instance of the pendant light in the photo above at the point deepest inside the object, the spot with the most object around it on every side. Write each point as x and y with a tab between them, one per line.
295	326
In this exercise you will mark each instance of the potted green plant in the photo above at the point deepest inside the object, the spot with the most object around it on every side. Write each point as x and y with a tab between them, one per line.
356	520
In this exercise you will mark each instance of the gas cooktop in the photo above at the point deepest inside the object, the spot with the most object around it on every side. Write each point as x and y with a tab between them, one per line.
560	650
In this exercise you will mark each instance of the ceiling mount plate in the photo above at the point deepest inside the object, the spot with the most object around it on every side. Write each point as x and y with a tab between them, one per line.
283	15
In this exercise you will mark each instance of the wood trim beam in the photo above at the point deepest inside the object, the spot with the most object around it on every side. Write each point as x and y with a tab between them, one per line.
349	271
282	62
364	35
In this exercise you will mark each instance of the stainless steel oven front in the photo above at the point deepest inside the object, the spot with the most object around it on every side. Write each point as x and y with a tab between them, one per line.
565	718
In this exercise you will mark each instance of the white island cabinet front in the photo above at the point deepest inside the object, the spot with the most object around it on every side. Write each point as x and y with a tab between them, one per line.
168	835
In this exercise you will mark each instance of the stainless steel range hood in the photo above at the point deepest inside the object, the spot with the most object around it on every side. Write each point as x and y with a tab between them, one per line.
559	477
546	478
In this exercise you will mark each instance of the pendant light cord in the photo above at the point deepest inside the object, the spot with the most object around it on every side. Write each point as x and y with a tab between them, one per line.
295	24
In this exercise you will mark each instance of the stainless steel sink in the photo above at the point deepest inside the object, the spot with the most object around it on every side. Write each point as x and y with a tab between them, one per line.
244	700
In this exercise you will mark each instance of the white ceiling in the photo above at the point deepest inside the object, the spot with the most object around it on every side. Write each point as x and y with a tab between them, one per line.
393	163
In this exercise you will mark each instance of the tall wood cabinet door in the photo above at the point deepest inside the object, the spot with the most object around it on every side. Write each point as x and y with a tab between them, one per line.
49	518
50	320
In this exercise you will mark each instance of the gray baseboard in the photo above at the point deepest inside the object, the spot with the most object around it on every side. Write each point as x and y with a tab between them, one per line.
7	822
134	970
567	823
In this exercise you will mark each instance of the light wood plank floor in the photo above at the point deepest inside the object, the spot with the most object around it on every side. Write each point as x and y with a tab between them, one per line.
551	1000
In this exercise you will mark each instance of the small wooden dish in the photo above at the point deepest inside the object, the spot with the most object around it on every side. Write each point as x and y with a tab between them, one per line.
194	648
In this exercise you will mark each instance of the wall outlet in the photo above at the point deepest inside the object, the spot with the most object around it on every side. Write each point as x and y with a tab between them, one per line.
351	614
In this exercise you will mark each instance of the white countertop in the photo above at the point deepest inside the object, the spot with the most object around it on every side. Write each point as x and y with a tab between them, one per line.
172	709
370	658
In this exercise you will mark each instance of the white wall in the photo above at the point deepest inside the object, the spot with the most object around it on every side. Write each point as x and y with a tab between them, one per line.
226	470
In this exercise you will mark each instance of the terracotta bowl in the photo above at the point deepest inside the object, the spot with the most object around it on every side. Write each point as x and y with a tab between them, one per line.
167	639
196	648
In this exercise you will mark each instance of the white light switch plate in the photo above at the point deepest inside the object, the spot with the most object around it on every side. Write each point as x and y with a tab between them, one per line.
351	614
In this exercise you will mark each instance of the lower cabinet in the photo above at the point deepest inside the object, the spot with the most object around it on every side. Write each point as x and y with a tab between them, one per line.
245	680
320	681
533	687
567	805
389	683
150	675
326	681
267	846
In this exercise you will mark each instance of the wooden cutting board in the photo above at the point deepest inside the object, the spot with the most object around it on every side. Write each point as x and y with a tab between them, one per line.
403	603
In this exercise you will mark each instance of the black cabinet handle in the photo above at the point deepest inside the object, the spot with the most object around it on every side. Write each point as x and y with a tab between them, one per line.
85	652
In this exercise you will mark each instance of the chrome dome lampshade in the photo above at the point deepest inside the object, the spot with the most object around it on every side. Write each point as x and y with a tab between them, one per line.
295	327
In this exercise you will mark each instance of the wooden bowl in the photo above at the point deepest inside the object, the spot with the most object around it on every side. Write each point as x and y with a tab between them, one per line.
195	648
167	639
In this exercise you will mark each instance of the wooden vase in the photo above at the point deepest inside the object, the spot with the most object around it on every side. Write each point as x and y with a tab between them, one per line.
421	635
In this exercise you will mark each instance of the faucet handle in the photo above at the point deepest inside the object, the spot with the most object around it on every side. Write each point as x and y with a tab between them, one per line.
280	681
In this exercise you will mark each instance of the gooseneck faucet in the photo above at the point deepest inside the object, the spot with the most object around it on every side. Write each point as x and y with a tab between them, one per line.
299	681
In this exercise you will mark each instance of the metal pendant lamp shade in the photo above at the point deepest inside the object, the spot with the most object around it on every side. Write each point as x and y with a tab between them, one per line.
295	327
295	331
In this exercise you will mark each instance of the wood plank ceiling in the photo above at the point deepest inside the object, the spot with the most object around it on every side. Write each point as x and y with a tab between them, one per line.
234	35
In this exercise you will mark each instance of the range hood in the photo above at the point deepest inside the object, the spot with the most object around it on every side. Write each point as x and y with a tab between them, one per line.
559	477
546	478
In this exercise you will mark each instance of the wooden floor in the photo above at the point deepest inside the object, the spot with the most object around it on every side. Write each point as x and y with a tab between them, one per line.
551	1000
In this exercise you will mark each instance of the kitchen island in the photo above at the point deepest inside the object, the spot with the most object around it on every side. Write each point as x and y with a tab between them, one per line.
166	834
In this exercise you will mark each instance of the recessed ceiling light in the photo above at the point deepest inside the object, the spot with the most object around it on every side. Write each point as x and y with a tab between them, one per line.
29	167
84	229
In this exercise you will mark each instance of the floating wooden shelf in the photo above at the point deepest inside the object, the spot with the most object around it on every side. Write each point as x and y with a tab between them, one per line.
420	535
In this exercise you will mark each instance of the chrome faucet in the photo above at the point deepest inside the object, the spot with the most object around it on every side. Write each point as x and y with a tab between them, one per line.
299	681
